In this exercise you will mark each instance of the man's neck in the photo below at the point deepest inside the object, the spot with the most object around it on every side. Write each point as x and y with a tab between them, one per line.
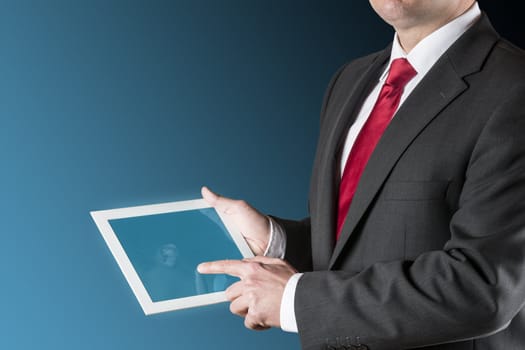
409	37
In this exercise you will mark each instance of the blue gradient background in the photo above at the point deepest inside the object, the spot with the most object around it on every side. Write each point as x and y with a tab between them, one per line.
107	104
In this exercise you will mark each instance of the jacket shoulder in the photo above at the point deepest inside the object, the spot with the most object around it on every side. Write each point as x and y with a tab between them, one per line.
509	57
346	75
362	63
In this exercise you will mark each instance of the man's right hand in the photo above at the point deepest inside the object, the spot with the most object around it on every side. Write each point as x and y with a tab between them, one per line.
254	226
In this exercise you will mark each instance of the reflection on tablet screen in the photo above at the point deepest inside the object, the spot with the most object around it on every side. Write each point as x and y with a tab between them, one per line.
162	249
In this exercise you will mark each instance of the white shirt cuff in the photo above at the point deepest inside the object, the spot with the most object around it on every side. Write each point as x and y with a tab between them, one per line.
277	243
276	249
287	315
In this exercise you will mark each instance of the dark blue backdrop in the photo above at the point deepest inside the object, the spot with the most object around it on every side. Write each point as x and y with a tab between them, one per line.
106	104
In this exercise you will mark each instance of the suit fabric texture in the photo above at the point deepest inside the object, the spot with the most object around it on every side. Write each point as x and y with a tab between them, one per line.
432	252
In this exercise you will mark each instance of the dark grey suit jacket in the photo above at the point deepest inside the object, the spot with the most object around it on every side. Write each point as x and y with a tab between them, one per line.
432	253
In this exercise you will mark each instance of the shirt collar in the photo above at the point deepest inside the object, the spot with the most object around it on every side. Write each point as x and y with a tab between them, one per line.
423	56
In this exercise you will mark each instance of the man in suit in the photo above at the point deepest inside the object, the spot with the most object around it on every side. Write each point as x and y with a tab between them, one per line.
426	246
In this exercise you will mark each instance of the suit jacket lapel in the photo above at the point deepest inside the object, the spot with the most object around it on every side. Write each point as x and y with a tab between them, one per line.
324	197
439	88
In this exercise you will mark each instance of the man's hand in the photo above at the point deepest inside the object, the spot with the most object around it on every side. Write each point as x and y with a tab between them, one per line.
257	296
254	226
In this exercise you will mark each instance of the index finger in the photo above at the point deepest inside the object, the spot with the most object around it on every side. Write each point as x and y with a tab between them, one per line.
229	267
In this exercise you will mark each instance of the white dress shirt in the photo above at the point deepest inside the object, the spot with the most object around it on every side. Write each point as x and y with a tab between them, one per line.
422	57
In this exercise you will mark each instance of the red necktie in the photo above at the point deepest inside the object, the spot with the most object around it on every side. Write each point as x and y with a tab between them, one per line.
401	72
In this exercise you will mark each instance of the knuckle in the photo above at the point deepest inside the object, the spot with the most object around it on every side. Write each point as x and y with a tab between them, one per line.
254	267
255	313
252	284
251	295
241	203
228	264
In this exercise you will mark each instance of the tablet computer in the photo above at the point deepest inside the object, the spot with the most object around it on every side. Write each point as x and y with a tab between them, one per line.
158	248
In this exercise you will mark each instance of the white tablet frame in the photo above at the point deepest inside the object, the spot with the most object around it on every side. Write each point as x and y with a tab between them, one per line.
102	217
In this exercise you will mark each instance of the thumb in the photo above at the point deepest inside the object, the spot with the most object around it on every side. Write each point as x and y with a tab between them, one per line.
209	196
220	203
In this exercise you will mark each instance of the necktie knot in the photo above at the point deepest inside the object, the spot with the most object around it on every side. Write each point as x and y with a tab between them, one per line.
401	72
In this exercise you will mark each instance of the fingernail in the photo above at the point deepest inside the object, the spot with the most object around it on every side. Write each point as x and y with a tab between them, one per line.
200	268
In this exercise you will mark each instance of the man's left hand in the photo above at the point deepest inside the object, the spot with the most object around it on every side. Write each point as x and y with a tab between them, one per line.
257	296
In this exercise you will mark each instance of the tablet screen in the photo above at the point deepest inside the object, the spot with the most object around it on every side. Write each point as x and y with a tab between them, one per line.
165	250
